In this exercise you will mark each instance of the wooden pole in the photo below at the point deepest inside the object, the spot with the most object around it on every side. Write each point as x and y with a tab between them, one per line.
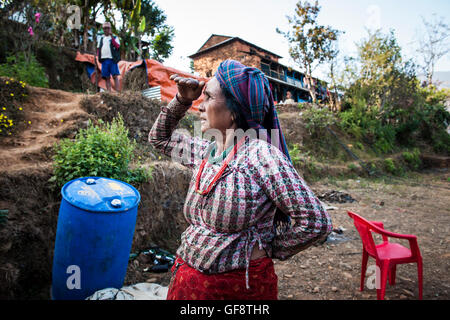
96	63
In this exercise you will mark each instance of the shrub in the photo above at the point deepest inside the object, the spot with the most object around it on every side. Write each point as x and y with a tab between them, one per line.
294	153
412	158
317	119
103	150
390	166
30	71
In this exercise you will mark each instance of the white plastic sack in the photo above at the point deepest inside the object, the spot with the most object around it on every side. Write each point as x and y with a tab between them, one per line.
140	291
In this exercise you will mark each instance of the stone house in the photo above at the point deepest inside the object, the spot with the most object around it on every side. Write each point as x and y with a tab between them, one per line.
281	78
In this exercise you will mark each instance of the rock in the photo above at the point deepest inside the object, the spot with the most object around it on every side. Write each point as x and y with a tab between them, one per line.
289	275
316	290
403	297
409	293
302	266
290	296
404	279
345	266
347	275
151	280
334	289
366	296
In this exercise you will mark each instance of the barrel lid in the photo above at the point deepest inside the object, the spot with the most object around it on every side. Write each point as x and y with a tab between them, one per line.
99	194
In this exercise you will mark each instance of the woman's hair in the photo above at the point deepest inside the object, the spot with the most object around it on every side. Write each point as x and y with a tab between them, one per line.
235	109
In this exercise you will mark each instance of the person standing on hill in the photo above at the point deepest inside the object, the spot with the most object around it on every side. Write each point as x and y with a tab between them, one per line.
108	53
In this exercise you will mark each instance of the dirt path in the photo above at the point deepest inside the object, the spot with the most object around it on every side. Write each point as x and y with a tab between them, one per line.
50	115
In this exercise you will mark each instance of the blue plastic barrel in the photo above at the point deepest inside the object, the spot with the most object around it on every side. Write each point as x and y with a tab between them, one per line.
96	223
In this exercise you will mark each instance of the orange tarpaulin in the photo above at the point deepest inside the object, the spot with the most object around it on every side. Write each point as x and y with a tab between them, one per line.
157	75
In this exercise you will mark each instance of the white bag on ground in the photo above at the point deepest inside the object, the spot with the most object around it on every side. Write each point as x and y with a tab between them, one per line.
140	291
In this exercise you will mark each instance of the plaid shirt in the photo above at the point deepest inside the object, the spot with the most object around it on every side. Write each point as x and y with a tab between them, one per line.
238	213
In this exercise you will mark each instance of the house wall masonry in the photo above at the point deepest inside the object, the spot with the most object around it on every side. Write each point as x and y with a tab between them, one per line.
207	63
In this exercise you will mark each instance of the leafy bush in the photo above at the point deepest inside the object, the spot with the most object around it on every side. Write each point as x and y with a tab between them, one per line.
104	151
365	125
317	119
433	122
27	70
390	165
294	153
412	158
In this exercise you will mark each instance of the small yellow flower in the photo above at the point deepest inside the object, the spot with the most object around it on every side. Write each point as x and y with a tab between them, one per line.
62	120
139	157
159	158
7	82
4	108
29	122
12	94
20	108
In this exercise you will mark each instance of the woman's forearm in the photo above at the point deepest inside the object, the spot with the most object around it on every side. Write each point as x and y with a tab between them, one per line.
160	135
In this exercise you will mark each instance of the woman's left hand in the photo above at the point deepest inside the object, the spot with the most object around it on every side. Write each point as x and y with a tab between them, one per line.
189	89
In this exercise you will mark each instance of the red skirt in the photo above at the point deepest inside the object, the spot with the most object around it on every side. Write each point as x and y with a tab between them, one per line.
188	283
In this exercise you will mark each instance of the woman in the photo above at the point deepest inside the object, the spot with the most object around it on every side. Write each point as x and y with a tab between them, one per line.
246	204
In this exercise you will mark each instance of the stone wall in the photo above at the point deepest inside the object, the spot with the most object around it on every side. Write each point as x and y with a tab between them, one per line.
207	63
213	41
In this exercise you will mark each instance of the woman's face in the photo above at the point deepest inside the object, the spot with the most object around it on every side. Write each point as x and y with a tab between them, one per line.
213	110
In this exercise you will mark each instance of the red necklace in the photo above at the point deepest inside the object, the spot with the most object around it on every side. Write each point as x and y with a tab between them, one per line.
222	169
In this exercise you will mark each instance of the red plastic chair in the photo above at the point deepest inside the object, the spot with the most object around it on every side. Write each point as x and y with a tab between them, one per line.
386	254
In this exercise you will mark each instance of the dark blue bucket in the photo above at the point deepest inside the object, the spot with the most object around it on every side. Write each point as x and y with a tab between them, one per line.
96	223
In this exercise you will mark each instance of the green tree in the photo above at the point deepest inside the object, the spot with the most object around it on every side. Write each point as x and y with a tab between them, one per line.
310	43
142	19
385	82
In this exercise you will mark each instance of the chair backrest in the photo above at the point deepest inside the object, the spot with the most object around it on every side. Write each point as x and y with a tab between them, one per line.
364	229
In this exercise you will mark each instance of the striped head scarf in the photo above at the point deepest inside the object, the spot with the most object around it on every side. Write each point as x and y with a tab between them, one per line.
251	89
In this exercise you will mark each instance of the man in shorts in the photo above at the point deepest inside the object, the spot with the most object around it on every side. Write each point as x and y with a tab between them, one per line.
108	53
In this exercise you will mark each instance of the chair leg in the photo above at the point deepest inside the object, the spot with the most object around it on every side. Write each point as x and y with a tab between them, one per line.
392	271
384	266
420	276
365	257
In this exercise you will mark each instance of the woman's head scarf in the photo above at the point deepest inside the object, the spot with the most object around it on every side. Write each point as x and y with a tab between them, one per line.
251	89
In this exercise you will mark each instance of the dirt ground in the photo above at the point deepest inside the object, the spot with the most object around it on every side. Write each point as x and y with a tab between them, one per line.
418	206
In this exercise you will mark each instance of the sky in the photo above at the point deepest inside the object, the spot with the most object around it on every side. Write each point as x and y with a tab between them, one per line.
256	21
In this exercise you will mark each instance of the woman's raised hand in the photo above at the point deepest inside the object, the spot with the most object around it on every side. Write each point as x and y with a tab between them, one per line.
188	89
